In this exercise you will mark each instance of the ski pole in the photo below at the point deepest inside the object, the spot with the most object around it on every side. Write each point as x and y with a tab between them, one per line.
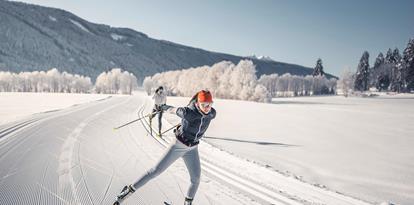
170	129
115	128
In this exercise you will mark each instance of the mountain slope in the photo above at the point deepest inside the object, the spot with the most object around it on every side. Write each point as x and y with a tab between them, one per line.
39	38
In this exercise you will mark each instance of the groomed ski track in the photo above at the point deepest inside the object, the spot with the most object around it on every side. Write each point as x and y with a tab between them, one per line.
72	156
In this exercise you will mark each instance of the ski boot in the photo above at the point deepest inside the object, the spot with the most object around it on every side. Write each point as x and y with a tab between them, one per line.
188	201
125	193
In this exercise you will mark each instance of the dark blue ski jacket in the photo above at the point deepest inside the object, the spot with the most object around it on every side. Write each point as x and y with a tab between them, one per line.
194	124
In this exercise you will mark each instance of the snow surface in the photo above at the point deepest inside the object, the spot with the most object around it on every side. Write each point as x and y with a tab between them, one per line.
14	106
117	37
357	146
52	18
361	147
264	58
80	26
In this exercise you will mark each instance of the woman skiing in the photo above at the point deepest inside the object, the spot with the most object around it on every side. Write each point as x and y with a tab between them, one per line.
159	101
195	119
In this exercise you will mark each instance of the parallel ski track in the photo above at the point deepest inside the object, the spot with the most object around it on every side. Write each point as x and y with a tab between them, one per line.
76	134
11	140
17	126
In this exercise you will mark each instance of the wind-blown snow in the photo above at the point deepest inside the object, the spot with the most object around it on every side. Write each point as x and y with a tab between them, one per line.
52	18
117	37
14	106
79	25
264	58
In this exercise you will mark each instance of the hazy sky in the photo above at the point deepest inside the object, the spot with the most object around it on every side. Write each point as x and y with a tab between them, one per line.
291	31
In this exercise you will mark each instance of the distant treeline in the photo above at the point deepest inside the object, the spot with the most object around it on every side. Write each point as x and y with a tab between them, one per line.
394	72
111	82
229	81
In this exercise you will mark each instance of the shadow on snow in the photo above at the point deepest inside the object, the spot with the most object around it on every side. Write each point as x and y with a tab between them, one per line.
252	142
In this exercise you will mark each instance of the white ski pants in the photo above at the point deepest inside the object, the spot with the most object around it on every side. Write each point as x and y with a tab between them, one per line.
175	151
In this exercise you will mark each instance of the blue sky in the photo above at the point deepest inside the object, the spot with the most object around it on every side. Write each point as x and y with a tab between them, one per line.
292	31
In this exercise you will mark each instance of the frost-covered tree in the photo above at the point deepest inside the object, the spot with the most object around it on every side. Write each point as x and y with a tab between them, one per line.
319	85
389	58
6	81
375	72
318	70
396	55
379	60
243	80
361	77
283	84
115	81
54	77
229	81
346	82
288	85
224	79
307	85
384	73
408	62
269	82
383	76
148	84
396	71
40	81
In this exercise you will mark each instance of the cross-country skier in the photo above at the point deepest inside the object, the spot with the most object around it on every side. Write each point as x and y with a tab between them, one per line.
195	119
159	101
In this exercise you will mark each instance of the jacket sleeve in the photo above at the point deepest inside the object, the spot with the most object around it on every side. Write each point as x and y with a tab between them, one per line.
181	112
213	113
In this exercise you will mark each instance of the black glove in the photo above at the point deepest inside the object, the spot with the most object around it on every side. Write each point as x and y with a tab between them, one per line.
166	107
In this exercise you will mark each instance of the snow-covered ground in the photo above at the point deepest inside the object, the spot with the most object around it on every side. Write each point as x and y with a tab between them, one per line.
357	146
14	106
362	147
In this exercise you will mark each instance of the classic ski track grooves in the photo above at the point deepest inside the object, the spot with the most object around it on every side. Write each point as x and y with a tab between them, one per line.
66	156
72	173
7	132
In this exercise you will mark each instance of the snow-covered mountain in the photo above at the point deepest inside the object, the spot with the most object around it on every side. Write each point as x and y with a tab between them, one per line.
39	38
264	58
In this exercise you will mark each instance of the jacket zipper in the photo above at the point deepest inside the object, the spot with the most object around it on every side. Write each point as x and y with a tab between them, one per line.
199	128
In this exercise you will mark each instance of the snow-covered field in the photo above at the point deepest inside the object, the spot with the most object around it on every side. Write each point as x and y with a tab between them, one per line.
362	147
14	106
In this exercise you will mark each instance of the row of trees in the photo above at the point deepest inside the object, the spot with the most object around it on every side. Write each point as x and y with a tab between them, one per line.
229	81
288	85
224	79
390	73
41	81
114	81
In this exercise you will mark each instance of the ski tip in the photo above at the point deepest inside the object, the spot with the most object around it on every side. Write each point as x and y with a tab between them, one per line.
114	129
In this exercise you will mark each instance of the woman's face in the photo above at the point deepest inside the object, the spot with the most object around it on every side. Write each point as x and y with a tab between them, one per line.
205	107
